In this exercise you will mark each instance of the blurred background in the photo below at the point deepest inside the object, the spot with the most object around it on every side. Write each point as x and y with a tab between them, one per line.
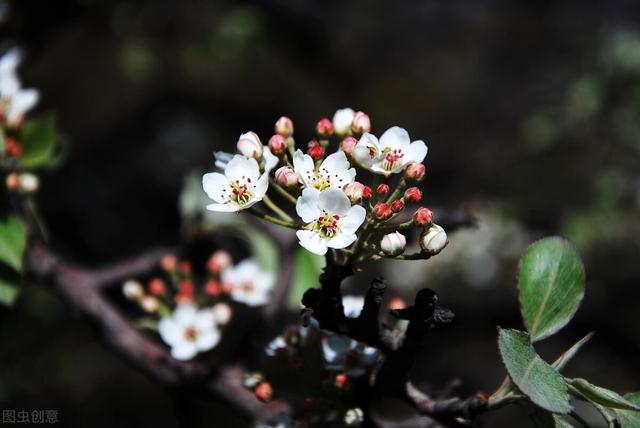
531	112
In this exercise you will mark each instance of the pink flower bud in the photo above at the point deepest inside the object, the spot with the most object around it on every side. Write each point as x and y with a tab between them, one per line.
219	261
382	189
316	151
249	145
212	287
382	211
324	127
13	181
149	304
415	171
286	177
361	123
222	313
413	194
284	126
354	191
393	244
277	144
157	287
264	392
169	262
348	144
397	205
433	240
423	217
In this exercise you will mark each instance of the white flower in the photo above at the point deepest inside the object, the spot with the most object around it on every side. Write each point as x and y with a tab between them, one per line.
334	171
249	284
250	146
434	239
189	331
342	121
240	187
391	154
331	220
132	290
352	306
14	101
269	159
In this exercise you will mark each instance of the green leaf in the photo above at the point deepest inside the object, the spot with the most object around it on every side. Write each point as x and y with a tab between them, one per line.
551	282
602	396
2	146
37	138
533	376
630	418
567	355
9	286
543	419
264	250
13	240
308	267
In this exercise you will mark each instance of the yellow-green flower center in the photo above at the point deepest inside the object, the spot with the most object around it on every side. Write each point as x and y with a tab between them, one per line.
326	226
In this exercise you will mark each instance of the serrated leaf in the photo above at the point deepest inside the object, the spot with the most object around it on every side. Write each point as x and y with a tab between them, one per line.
307	269
567	355
534	377
629	418
13	240
37	137
551	282
603	396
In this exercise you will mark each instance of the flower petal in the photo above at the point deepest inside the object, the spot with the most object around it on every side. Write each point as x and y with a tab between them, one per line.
216	186
353	219
416	153
207	340
204	320
303	166
270	160
184	350
335	162
240	167
21	102
307	205
341	240
312	242
395	138
262	185
184	315
225	208
170	331
334	201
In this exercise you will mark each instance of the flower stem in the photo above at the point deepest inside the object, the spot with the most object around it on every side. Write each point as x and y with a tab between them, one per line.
274	220
400	226
288	196
398	190
276	209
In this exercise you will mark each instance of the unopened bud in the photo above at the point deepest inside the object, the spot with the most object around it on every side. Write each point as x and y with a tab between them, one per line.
286	177
219	261
367	193
221	313
264	392
361	123
397	205
415	171
423	217
433	240
13	181
186	288
341	380
393	244
249	145
149	304
382	189
29	182
284	126
169	262
132	290
342	121
324	127
186	267
12	147
277	144
251	380
315	150
354	417
348	144
412	194
382	211
157	287
212	287
354	191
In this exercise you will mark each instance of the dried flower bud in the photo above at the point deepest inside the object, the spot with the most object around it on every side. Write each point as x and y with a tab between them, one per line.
284	126
222	313
169	262
393	244
397	205
415	171
212	287
251	380
219	261
324	127
354	191
341	380
423	217
132	290
149	304
249	145
397	303
264	392
316	151
157	287
277	144
361	123
29	182
13	181
348	144
342	121
412	194
382	211
433	240
354	417
367	193
382	189
286	177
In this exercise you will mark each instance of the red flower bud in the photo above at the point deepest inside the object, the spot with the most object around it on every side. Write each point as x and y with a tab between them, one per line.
219	261
277	144
341	380
382	189
12	147
157	287
284	126
423	217
186	288
413	194
382	211
264	392
169	262
186	267
367	193
324	127
212	287
13	181
316	151
415	171
397	205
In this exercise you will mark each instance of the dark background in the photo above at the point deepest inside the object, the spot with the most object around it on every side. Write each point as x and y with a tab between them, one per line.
530	110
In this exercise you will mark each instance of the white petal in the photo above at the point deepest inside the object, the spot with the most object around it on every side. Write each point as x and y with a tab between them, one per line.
240	167
216	186
312	242
335	162
204	320
342	120
184	350
303	166
353	219
207	340
22	101
184	315
307	205
334	201
395	138
262	185
352	305
270	160
416	153
10	61
225	208
341	240
9	85
170	331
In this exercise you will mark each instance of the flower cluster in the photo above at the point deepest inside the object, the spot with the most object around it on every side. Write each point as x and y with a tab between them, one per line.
335	211
190	319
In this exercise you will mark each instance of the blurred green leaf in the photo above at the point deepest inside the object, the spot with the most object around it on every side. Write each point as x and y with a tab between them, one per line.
13	240
9	287
630	418
264	250
551	282
1	142
37	138
307	270
602	396
534	377
567	355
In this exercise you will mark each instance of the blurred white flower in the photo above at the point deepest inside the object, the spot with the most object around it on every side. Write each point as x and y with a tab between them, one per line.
342	120
14	101
249	283
239	188
391	154
335	171
331	221
352	306
189	331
